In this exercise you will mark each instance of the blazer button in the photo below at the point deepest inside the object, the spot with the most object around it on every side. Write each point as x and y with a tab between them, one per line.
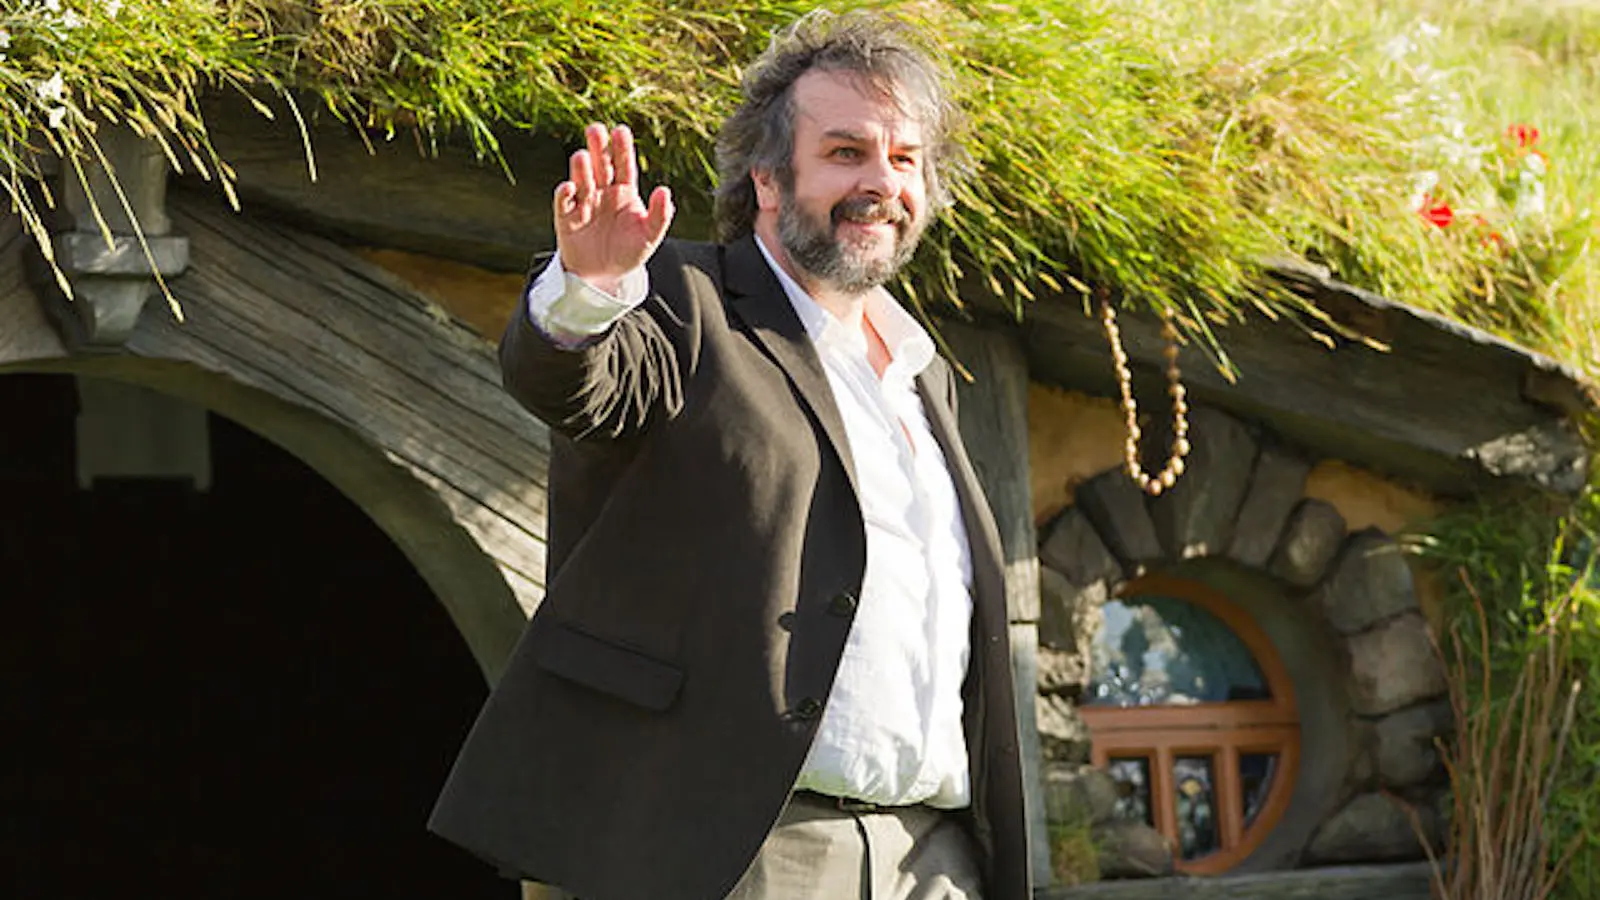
843	604
808	708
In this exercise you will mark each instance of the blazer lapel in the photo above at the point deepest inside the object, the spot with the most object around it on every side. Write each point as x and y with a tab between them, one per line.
757	298
983	538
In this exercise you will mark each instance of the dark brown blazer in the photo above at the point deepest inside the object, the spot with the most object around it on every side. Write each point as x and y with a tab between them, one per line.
706	555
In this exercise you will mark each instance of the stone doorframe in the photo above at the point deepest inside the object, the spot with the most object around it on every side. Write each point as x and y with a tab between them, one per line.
1341	609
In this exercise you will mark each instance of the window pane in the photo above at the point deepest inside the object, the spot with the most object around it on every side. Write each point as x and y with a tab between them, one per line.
1132	776
1197	806
1255	778
1156	651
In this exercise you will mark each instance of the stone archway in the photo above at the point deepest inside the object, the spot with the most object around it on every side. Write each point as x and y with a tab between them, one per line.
1341	608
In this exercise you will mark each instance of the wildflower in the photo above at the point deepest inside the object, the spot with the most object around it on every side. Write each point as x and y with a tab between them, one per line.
5	43
1525	136
52	90
1439	213
1492	239
113	7
56	116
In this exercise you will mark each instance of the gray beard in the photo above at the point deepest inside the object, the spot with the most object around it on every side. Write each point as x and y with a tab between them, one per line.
812	247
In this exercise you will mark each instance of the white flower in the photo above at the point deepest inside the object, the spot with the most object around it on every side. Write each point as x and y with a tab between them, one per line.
1399	47
71	20
51	91
113	7
1427	29
57	116
1530	199
1533	164
1422	185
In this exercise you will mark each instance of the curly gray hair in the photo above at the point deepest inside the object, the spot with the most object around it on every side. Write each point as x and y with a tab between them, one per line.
885	52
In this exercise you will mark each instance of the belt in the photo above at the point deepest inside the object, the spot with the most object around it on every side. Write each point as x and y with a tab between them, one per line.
847	804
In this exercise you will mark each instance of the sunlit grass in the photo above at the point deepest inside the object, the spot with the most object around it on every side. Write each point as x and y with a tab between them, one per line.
1162	150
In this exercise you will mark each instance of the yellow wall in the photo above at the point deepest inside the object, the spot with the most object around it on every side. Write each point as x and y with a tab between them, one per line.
479	297
1072	437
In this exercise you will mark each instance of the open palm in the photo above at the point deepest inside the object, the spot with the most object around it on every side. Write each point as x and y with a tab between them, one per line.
603	228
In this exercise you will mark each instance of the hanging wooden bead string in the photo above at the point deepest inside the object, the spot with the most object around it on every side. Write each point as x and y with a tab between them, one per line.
1168	476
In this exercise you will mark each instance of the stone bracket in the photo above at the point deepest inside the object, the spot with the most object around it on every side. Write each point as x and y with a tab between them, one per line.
111	278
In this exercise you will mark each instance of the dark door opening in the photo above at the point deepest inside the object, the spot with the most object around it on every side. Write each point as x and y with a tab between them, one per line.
244	693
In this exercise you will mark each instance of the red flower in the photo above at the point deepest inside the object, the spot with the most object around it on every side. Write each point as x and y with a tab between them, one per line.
1439	214
1525	136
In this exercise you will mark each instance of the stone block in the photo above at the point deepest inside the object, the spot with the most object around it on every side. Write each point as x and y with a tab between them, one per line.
1407	752
1276	487
1069	613
1063	737
1132	850
1371	582
1063	672
1394	665
1116	508
1076	793
1196	517
1310	541
1074	549
1372	828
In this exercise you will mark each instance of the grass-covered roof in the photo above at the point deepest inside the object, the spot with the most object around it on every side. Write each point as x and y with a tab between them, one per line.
1443	153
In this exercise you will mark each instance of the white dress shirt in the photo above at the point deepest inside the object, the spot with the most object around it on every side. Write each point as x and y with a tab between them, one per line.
891	731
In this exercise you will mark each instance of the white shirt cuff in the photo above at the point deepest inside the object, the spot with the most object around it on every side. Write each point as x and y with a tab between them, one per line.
570	310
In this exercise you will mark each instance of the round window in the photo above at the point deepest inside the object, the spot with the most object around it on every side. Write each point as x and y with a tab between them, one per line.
1193	714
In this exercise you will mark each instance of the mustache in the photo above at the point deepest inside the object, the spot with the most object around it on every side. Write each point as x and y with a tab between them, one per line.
869	209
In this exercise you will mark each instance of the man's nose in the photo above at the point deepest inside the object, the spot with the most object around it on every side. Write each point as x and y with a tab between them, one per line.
880	178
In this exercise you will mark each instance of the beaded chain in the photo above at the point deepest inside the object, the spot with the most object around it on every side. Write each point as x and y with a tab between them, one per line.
1150	484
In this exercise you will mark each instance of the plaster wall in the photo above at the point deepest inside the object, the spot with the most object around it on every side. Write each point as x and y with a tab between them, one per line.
1072	437
479	297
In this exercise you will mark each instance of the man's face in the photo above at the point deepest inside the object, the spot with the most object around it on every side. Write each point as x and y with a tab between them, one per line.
858	203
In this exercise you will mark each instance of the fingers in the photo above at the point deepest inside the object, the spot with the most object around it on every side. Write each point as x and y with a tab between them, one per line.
659	214
623	160
599	153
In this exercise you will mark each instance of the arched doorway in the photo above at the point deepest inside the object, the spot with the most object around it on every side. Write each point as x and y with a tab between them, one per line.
242	692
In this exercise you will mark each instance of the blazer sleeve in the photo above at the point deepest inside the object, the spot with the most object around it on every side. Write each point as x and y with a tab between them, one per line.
615	386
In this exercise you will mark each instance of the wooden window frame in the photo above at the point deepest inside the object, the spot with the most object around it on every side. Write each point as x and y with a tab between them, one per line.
1223	731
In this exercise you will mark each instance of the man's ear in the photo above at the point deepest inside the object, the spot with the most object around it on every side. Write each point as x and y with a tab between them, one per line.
767	194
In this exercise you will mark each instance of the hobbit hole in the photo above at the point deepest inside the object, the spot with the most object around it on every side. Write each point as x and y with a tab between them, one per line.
238	689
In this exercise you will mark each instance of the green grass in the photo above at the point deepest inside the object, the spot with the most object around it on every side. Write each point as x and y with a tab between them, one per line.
1162	150
1527	612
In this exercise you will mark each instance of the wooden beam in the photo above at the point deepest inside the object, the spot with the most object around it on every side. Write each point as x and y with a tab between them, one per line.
397	193
1405	881
994	427
1444	408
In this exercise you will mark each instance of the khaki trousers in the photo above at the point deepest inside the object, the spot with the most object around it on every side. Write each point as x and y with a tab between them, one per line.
820	852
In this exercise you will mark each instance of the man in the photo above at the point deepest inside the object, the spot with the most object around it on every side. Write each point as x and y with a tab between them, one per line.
771	662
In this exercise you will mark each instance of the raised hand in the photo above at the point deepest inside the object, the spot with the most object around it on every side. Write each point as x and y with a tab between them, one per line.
603	228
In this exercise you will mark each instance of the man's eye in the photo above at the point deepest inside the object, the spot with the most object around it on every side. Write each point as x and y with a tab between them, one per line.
846	152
